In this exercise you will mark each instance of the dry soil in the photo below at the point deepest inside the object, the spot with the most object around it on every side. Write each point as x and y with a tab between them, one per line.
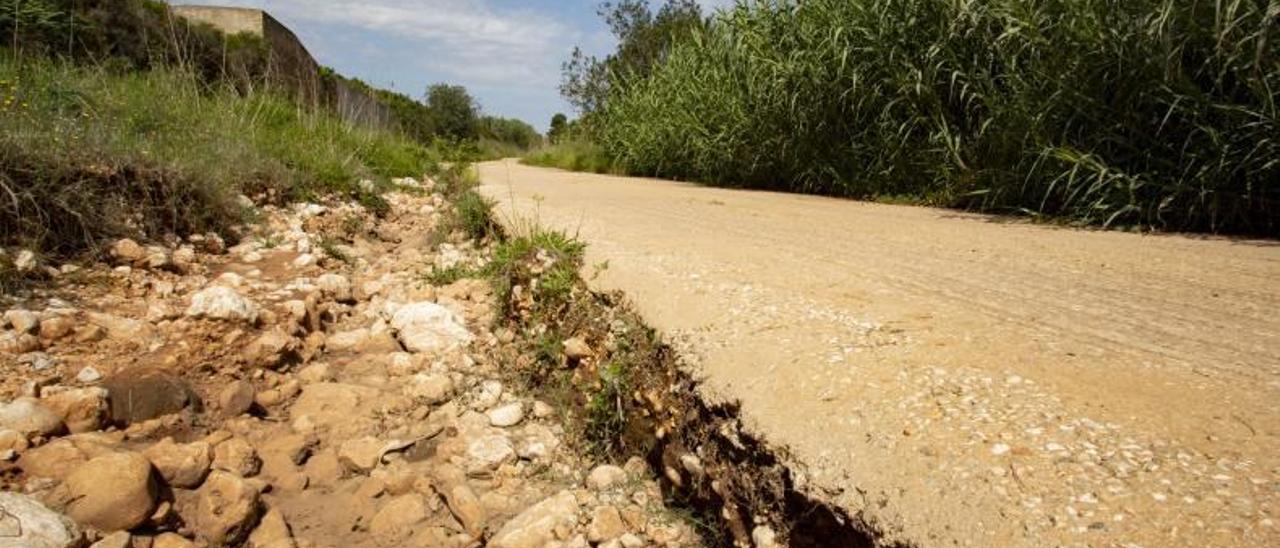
957	379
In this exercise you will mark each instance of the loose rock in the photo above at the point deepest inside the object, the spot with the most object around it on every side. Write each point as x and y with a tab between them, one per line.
171	540
490	452
394	520
429	388
237	457
223	303
427	327
537	526
606	524
764	537
335	286
605	476
576	349
361	455
465	506
272	532
227	509
137	399
236	399
506	415
82	410
31	418
270	349
25	523
12	342
23	321
88	375
181	465
119	539
127	251
114	492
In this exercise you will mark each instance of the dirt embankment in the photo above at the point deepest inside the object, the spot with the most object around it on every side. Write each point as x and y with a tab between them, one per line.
951	378
306	387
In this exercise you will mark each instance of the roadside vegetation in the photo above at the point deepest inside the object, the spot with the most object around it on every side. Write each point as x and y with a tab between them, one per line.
1150	113
117	120
87	155
577	155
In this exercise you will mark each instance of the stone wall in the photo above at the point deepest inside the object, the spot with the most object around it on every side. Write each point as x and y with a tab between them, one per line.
291	65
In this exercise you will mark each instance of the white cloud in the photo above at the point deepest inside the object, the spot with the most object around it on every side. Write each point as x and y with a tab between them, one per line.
467	39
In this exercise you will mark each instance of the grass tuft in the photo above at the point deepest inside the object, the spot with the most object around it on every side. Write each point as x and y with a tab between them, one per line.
88	154
474	214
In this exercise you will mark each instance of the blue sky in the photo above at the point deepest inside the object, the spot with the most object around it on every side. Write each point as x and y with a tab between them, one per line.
507	52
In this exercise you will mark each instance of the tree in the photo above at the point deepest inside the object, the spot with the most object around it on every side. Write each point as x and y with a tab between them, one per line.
509	130
559	126
454	111
644	38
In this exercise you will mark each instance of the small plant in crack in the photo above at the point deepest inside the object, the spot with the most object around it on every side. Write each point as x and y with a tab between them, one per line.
607	410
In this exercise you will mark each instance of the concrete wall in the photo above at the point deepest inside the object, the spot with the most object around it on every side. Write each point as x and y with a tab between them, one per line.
291	65
357	107
228	20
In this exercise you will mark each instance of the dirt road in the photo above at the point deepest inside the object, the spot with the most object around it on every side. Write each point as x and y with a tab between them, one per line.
956	379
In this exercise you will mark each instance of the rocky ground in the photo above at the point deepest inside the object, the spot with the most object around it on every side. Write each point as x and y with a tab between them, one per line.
305	387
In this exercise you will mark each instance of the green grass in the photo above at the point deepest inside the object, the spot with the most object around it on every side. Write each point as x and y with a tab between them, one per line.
573	156
490	149
545	262
88	154
1151	113
606	410
445	276
474	214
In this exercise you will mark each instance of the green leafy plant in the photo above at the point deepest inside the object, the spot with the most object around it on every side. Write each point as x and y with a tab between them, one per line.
606	412
1153	113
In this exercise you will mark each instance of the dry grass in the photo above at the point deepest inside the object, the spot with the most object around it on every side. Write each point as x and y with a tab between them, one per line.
88	154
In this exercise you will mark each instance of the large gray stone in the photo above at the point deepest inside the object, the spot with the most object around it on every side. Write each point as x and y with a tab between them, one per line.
536	526
223	303
427	327
25	523
30	417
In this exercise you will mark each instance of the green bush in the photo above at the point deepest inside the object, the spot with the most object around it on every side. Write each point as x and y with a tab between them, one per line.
1159	113
475	214
573	155
88	154
132	35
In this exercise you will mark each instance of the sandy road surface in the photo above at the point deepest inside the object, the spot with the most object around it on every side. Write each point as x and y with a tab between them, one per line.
956	380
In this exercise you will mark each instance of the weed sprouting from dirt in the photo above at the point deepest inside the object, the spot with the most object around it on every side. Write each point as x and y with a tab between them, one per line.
474	214
606	411
331	249
445	276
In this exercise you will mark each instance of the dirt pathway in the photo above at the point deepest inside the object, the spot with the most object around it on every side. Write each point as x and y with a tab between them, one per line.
952	378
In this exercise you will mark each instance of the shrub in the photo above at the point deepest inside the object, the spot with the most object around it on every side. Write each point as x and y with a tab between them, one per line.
475	214
1150	112
577	155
